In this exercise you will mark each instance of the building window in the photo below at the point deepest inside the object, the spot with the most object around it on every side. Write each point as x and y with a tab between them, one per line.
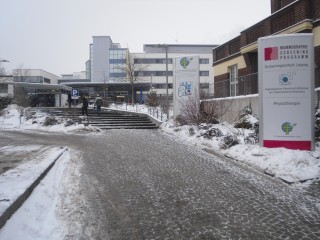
117	64
117	61
3	88
204	85
204	73
152	61
153	73
204	61
233	73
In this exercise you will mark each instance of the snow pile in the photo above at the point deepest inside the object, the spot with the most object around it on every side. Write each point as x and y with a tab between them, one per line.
24	176
38	217
13	117
241	145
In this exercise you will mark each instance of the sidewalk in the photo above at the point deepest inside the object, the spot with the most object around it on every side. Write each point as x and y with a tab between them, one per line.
19	176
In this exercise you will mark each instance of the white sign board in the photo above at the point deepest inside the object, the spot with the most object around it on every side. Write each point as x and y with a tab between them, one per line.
186	83
286	91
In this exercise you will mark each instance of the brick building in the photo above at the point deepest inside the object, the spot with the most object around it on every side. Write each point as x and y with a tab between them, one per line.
236	61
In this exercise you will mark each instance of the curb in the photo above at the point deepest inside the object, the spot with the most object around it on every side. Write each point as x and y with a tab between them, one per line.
20	200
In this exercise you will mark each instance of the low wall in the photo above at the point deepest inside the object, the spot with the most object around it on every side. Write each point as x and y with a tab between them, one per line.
230	107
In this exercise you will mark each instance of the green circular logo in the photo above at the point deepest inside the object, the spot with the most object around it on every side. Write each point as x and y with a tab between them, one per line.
184	62
287	127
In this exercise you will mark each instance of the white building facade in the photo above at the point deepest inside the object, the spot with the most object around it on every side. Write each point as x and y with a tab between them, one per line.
155	69
107	69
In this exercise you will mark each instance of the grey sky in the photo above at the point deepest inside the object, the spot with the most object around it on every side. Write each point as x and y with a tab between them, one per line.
54	35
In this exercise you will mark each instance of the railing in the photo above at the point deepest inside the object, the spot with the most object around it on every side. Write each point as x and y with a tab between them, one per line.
244	85
279	21
156	112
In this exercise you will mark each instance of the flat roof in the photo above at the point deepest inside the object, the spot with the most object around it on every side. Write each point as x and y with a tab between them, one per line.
41	86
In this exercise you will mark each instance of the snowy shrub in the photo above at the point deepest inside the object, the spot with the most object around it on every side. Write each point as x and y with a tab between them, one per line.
153	99
212	132
317	123
177	129
69	122
228	141
3	113
191	131
246	111
4	102
204	126
29	115
246	120
181	120
50	121
253	138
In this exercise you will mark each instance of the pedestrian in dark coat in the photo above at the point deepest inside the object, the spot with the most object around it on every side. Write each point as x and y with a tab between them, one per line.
84	108
98	103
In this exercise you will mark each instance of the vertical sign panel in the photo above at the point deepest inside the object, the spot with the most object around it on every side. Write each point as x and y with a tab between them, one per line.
286	91
186	84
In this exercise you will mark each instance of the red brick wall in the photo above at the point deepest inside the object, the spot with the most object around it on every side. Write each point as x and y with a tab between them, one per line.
278	4
315	9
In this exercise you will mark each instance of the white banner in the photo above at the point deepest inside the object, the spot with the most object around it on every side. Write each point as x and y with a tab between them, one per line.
286	91
186	83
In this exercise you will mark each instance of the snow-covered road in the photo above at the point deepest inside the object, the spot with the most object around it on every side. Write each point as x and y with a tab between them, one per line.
142	184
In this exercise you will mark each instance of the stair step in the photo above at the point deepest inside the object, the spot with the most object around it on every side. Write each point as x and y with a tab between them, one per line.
107	119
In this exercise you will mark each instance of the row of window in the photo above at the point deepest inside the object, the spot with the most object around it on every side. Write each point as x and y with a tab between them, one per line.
163	85
117	61
163	73
118	75
163	60
30	79
152	61
117	68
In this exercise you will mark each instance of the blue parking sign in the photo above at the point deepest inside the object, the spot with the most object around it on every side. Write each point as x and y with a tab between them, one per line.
75	93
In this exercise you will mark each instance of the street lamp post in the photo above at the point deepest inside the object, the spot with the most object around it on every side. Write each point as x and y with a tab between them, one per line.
167	82
151	82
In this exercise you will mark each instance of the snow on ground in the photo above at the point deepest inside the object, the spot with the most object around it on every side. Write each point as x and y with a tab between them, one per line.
38	218
11	119
289	165
22	177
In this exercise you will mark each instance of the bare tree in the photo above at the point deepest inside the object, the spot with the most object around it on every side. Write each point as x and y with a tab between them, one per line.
20	93
153	99
2	71
207	112
4	101
134	73
212	111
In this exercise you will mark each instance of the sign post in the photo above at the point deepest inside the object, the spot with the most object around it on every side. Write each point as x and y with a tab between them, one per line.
186	83
74	96
286	91
75	93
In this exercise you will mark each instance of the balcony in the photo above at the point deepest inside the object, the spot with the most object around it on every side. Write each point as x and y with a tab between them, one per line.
296	17
241	86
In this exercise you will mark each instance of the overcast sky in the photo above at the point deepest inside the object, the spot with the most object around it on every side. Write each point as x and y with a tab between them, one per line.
54	35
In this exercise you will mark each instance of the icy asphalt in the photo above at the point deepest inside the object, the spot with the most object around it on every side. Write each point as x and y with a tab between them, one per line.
145	184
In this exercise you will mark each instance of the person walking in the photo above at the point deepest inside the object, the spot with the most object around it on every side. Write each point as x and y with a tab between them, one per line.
84	108
98	103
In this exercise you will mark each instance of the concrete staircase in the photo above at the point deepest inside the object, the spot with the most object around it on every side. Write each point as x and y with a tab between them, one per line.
108	119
